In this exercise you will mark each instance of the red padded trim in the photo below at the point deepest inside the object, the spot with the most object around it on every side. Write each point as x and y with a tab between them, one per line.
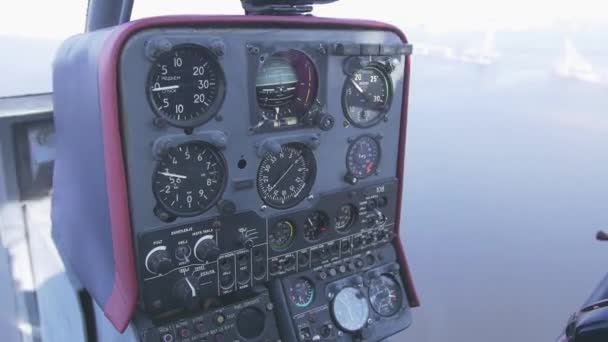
121	305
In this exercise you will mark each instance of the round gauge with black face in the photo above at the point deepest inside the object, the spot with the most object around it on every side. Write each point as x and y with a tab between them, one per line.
186	85
316	224
286	87
189	179
345	218
385	295
301	292
281	235
363	157
286	177
350	309
367	96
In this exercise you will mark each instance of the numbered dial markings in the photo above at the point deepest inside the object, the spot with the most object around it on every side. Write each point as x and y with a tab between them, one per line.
301	292
350	309
316	225
363	157
345	218
385	295
189	179
186	85
282	235
285	178
367	96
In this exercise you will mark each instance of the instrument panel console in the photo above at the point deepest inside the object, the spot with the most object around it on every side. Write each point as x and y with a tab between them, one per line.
263	163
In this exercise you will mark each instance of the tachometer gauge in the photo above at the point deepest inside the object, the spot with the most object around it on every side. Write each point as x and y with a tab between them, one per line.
316	224
281	235
345	218
286	87
301	292
350	309
189	179
186	85
367	96
363	157
285	178
385	295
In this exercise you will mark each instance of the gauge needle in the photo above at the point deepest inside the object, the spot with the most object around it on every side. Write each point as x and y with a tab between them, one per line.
358	87
310	221
168	174
166	88
282	176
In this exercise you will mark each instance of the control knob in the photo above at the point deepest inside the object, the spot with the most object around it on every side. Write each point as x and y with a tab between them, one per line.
206	249
185	292
158	261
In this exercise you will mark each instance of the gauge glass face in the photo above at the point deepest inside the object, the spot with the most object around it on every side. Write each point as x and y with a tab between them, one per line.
385	295
316	224
286	87
189	179
281	235
350	309
285	178
367	96
301	292
363	157
186	85
345	218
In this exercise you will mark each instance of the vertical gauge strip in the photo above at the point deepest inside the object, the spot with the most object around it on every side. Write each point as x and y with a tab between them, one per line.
367	95
189	179
362	158
186	85
286	177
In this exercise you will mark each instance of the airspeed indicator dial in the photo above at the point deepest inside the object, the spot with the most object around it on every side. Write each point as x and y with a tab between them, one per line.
189	179
285	178
186	85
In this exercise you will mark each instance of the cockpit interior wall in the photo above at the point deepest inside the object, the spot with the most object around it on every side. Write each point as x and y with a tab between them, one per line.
236	163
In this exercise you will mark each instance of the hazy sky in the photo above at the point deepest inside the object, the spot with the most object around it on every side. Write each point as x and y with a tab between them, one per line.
60	18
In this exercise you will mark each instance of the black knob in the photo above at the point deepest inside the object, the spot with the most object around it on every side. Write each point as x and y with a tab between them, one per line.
326	122
226	207
159	262
185	292
207	250
351	179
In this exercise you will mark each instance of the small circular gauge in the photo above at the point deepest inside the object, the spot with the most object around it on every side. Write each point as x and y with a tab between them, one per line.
350	309
286	177
186	85
315	226
281	235
363	157
286	87
189	179
301	292
385	295
367	95
345	218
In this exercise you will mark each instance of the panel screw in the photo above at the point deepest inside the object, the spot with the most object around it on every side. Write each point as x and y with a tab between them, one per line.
253	50
218	117
269	306
370	321
263	207
385	118
330	295
346	124
310	197
160	122
340	333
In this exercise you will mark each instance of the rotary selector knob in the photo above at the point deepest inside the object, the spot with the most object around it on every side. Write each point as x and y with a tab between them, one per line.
185	292
206	249
158	260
